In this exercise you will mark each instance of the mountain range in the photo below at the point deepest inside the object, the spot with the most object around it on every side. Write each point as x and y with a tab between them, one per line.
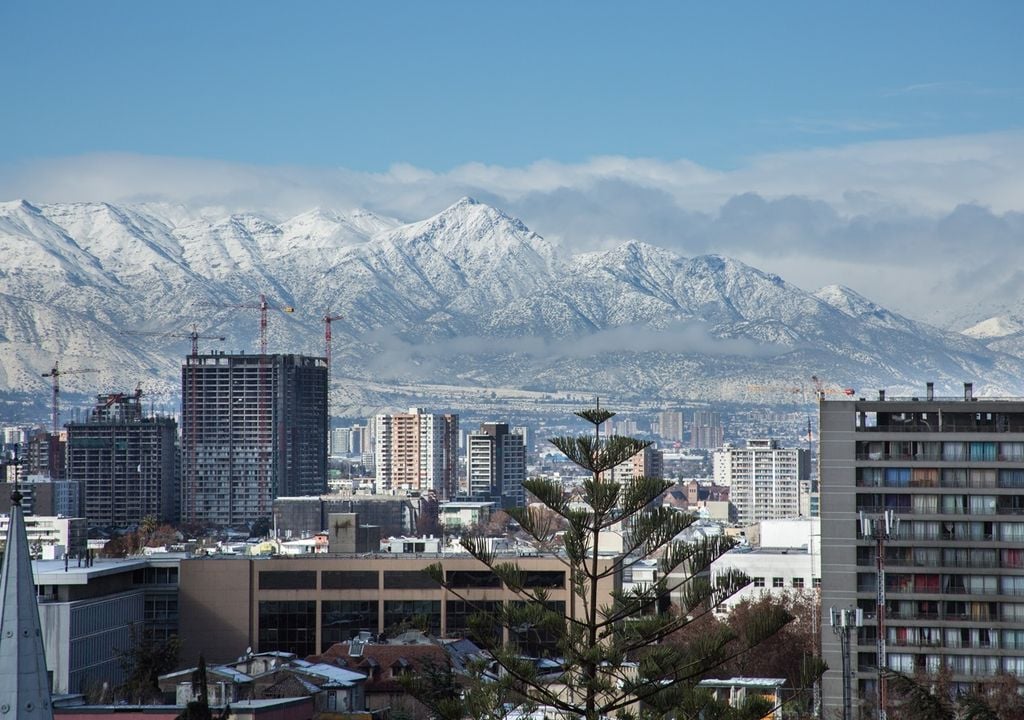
468	298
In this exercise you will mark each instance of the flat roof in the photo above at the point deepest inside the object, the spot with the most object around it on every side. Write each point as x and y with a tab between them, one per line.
52	572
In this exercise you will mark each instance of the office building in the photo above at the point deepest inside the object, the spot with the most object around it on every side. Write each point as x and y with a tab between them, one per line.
253	427
417	452
124	462
763	479
303	605
706	431
495	466
952	472
90	612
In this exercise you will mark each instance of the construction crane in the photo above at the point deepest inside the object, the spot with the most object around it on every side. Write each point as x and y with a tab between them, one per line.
264	307
55	375
194	336
327	341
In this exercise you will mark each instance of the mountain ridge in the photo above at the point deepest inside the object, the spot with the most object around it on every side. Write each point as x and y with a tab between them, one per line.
468	296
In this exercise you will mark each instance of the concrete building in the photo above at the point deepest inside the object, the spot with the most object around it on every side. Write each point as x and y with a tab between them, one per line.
706	430
495	466
124	462
648	462
253	427
304	605
89	612
763	479
670	425
952	472
61	534
43	496
460	515
417	452
305	516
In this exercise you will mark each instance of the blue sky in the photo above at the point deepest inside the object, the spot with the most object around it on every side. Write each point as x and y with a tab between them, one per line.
440	84
862	143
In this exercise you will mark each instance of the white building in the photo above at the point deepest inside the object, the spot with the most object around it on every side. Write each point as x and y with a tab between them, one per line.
459	514
787	559
764	479
54	534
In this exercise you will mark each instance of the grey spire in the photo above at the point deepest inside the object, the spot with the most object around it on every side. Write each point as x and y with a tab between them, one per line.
24	684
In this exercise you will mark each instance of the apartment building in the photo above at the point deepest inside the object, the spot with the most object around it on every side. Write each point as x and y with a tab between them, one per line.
706	430
124	462
649	462
670	425
253	427
763	479
495	466
417	451
952	472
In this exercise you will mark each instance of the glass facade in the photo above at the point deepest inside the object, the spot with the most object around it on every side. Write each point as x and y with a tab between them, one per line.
288	625
342	620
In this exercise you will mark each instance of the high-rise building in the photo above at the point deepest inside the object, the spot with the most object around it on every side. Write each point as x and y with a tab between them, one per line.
670	425
649	462
495	465
124	462
952	473
417	452
253	427
763	479
706	431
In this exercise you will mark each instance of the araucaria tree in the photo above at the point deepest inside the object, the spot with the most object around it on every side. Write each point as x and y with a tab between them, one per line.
612	652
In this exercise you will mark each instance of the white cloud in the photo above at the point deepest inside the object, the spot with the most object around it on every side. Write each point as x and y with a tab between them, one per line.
906	223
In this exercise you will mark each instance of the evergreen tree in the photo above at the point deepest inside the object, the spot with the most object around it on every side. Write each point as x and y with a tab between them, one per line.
612	656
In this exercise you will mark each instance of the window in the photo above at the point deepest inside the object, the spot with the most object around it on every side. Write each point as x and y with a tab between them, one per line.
401	615
473	578
778	582
759	582
288	580
408	579
349	579
288	626
342	620
816	583
798	583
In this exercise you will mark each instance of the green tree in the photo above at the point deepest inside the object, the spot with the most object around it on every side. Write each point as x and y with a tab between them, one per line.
614	658
144	661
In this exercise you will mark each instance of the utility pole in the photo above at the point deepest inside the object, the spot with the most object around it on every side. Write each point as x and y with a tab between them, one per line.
883	528
842	622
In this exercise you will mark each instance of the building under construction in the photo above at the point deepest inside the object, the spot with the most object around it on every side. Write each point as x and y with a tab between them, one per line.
124	462
253	427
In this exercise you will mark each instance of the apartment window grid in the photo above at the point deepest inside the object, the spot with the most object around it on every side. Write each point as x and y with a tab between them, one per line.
956	568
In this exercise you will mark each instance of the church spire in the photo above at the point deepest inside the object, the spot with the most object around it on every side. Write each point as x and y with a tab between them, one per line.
24	683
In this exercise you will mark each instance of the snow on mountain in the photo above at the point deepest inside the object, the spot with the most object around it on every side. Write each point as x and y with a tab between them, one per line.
470	296
994	327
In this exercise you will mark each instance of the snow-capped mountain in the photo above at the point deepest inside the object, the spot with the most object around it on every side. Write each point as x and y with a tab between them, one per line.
468	297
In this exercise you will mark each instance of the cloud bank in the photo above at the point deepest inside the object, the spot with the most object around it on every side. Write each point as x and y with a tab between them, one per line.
930	228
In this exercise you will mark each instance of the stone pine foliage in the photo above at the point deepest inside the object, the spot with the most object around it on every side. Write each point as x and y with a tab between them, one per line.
611	657
929	697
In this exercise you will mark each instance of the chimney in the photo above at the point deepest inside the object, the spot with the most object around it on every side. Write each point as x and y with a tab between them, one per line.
881	394
968	391
930	387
